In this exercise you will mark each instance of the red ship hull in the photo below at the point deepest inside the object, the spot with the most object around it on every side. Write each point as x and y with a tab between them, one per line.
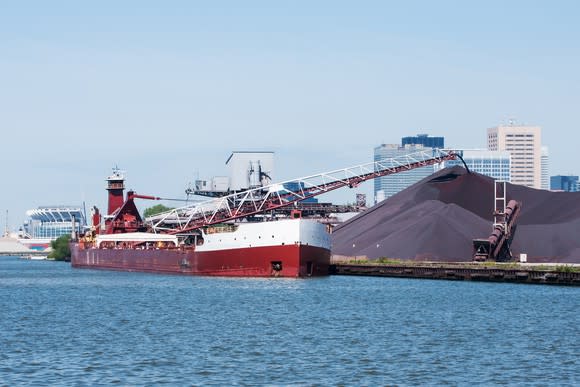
268	261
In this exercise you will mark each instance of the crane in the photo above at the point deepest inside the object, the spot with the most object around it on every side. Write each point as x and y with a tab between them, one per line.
270	197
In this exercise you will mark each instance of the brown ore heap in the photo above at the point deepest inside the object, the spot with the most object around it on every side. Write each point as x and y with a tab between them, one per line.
437	218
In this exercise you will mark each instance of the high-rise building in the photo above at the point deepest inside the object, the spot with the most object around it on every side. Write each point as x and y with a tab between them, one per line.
387	186
545	168
524	144
496	164
564	183
425	140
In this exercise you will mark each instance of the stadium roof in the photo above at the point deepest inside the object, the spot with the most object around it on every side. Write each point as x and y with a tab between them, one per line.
56	214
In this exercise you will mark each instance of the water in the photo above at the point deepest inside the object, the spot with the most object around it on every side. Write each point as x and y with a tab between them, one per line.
63	326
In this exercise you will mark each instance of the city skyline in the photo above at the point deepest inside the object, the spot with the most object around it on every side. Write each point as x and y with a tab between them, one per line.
167	92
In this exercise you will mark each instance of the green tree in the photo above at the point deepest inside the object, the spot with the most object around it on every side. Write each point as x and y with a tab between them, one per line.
155	210
60	248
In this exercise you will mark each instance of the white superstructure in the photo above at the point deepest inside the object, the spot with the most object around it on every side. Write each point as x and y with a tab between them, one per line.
264	234
136	237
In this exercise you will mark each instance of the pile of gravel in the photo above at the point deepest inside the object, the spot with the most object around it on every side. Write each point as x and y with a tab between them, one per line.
437	219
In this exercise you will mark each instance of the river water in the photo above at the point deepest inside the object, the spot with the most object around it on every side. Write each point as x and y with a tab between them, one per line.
63	326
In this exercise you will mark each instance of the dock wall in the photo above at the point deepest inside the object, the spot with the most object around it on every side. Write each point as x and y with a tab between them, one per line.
455	272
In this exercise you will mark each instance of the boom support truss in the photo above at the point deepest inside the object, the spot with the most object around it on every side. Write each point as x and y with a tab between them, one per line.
263	199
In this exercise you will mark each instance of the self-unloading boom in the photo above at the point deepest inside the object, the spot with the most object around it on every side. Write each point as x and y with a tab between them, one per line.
270	197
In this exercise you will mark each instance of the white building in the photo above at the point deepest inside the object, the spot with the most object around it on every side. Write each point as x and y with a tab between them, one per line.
496	164
524	144
545	168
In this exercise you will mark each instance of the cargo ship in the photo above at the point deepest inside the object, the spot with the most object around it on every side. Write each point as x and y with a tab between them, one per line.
219	238
294	247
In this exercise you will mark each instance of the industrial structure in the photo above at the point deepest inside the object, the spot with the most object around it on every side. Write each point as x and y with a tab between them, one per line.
267	198
247	170
497	247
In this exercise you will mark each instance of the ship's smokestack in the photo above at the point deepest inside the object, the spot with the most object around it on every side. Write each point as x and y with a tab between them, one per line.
116	187
96	219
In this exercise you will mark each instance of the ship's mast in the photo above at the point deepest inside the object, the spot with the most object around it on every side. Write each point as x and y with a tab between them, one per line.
6	232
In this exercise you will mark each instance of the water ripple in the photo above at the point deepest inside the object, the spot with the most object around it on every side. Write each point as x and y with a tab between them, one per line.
81	327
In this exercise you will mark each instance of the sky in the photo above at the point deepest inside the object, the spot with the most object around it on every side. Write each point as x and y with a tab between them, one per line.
167	89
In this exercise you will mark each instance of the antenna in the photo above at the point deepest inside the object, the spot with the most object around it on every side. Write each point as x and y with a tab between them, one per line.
188	191
6	233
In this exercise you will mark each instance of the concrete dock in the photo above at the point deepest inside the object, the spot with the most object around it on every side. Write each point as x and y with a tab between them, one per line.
544	274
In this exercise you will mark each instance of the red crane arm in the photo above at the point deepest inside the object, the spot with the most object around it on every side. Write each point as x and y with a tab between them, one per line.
263	199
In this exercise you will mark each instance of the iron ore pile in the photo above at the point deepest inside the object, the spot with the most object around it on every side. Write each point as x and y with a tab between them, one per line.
437	219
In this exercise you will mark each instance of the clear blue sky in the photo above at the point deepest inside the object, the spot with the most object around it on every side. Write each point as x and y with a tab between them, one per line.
167	89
